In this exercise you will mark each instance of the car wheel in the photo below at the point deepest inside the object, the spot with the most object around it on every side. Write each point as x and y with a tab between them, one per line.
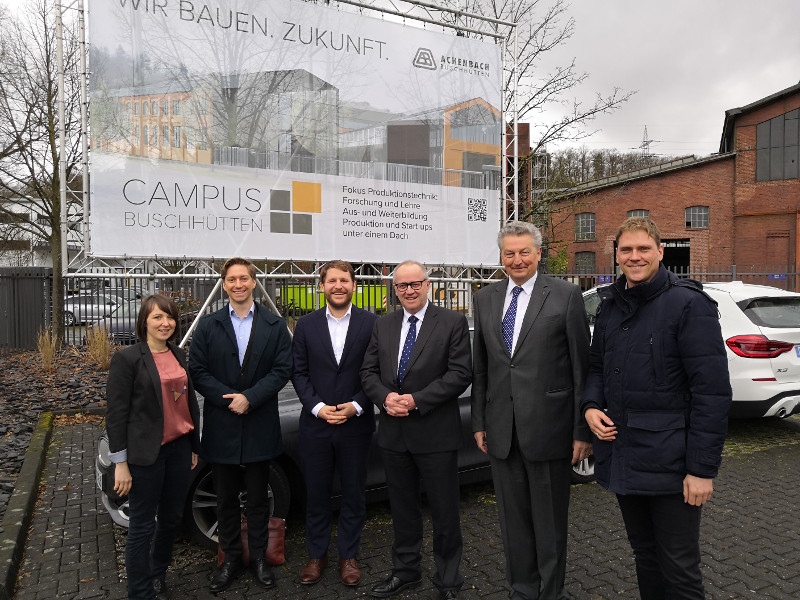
69	318
583	472
200	512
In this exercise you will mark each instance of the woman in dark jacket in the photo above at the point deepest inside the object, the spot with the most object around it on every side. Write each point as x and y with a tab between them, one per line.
153	432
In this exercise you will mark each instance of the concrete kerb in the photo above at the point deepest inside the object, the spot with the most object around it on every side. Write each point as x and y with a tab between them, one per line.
19	512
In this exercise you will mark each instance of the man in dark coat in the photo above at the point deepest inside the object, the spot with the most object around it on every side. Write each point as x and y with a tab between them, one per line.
531	351
337	420
240	358
416	366
657	399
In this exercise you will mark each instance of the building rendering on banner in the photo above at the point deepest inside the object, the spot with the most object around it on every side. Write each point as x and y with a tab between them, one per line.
294	121
737	207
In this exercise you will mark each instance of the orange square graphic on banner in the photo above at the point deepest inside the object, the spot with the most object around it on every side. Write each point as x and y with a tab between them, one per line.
306	197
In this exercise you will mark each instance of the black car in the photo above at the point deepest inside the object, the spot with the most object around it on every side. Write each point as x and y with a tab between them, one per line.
286	482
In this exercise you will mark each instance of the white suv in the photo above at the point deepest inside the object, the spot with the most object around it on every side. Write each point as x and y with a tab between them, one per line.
761	330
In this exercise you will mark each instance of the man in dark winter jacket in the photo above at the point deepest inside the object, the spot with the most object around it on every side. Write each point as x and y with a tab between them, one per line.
657	399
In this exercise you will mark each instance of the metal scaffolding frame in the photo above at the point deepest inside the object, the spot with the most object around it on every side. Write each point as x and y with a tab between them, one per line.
86	265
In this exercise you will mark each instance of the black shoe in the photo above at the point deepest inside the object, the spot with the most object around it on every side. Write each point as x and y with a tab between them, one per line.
262	571
448	594
393	585
162	593
226	575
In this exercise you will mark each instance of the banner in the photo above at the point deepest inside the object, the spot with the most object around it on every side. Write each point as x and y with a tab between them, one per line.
289	130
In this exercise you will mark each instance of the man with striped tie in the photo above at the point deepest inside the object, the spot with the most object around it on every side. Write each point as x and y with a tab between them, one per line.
417	364
530	358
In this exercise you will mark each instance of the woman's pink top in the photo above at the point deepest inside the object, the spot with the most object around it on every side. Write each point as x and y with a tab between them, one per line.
174	390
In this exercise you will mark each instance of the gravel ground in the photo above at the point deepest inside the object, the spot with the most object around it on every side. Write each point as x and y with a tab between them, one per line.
27	390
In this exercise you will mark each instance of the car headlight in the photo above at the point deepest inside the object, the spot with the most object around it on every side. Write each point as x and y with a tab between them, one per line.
102	451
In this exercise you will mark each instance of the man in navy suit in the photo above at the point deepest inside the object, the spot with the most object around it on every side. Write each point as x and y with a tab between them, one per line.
337	420
240	358
415	379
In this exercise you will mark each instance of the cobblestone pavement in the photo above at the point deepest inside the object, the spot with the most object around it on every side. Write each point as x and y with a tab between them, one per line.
750	534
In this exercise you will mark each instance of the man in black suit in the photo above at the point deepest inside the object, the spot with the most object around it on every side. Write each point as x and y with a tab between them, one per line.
416	366
240	358
531	354
337	420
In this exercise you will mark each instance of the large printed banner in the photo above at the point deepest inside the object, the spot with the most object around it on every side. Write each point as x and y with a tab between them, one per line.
289	130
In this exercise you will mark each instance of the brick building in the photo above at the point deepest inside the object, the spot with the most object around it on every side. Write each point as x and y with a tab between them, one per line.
741	206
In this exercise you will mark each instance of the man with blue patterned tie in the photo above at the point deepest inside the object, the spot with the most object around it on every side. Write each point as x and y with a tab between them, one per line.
417	364
530	358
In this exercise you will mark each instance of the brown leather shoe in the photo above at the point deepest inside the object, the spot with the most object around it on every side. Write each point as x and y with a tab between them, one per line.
313	571
351	574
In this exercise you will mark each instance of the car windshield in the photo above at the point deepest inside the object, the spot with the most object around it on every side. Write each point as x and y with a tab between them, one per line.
773	312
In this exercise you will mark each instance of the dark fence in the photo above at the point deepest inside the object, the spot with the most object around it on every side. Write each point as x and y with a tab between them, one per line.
112	302
24	305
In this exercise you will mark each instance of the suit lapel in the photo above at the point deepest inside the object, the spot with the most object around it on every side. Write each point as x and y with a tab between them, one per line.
224	317
497	299
259	336
325	334
152	370
394	338
538	295
356	323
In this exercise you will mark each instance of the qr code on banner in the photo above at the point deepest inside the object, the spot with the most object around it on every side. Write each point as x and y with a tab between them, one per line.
476	209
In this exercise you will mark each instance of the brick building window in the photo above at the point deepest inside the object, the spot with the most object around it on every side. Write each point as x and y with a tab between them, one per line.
136	108
155	107
165	136
585	263
697	217
176	107
164	108
145	138
145	108
777	143
176	137
584	227
639	212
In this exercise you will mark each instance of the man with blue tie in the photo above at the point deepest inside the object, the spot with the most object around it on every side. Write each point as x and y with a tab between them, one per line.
416	366
337	420
531	354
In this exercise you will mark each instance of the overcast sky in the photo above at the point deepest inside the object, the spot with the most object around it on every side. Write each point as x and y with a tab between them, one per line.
689	60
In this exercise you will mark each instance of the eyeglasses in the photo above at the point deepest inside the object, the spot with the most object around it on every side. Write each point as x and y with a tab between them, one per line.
414	285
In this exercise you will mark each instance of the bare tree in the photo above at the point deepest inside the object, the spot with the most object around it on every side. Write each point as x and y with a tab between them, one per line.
29	120
542	26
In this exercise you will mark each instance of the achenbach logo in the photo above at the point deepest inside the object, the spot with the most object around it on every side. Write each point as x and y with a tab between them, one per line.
424	59
290	212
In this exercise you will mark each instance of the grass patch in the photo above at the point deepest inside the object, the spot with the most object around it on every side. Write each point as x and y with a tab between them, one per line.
98	346
46	344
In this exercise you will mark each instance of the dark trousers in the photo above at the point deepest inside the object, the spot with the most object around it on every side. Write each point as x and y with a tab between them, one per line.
533	503
229	480
321	458
439	474
155	506
664	532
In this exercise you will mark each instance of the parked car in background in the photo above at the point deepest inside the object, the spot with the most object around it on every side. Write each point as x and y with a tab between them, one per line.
120	324
87	308
761	330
